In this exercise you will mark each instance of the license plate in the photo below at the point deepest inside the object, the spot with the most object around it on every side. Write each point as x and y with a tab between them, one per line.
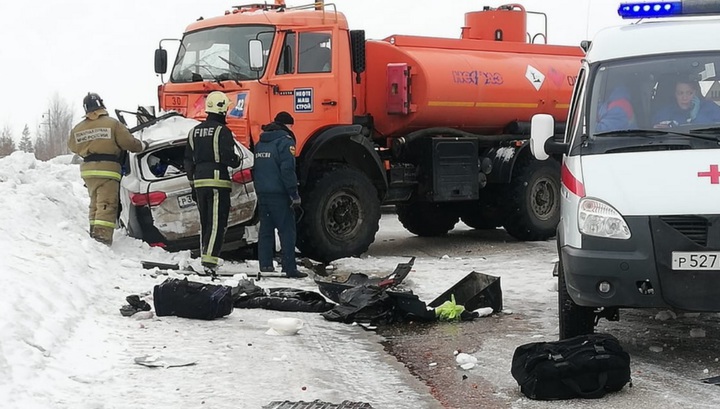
696	260
185	201
176	101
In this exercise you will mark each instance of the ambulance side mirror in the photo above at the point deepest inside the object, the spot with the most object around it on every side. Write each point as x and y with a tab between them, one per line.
542	143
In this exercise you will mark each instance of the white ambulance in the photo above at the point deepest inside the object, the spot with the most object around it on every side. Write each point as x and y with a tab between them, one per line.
640	218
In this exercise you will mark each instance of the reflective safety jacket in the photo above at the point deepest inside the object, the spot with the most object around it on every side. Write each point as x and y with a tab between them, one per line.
100	140
209	154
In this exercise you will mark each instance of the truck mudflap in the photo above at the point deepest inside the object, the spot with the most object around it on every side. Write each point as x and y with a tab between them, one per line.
640	271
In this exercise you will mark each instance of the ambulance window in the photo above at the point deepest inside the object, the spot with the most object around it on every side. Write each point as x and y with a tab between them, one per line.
287	56
315	52
576	124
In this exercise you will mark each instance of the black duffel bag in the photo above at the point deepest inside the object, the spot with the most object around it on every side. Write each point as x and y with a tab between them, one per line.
189	299
586	366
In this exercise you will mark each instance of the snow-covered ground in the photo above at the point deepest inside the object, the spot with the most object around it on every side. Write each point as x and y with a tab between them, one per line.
64	344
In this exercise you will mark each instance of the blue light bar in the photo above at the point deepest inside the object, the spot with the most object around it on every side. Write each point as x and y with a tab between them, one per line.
655	9
650	10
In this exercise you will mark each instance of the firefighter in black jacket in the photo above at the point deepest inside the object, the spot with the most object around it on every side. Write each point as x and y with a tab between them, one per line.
209	154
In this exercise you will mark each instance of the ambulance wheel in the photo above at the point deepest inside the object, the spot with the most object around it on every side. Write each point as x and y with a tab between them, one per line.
574	319
533	200
341	214
426	219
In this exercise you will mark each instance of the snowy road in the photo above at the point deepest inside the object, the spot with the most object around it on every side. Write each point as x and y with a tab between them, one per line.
667	362
64	344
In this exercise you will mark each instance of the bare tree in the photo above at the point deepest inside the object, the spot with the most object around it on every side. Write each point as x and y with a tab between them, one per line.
52	138
7	143
26	144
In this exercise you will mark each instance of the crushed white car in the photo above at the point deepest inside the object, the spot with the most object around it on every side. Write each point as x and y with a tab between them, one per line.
156	204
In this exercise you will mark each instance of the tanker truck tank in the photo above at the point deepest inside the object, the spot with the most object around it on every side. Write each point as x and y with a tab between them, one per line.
474	84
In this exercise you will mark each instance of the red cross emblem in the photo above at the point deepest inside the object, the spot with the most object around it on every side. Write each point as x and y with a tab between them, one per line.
713	174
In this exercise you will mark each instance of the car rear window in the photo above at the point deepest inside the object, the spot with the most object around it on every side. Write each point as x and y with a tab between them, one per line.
166	162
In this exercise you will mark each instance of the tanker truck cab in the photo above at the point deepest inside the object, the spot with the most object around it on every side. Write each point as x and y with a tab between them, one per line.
640	194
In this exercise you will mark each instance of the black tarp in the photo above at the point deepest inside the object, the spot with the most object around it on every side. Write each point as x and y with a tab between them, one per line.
249	295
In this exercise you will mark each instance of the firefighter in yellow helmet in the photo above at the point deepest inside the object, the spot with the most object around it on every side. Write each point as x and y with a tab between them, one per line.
101	141
209	155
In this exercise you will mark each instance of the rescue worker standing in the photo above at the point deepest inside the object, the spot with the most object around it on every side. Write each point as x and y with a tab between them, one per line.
276	185
209	153
100	140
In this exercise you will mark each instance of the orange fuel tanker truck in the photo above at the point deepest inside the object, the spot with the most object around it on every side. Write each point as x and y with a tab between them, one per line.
435	126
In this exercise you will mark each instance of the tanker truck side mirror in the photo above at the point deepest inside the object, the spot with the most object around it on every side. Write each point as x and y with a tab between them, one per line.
256	55
357	45
160	61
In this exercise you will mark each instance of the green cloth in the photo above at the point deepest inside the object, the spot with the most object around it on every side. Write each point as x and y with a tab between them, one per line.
449	310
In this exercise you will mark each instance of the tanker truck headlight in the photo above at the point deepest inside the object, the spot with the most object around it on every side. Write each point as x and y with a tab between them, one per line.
597	218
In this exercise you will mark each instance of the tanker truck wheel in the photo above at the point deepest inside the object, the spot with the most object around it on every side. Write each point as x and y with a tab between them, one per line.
533	200
426	219
483	218
341	215
486	213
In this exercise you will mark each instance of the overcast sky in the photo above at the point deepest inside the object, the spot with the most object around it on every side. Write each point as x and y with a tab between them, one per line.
70	47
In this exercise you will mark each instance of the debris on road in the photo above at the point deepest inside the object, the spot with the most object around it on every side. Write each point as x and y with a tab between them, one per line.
159	361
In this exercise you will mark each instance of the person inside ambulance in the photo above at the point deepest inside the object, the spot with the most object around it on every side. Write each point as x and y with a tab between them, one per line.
616	113
688	108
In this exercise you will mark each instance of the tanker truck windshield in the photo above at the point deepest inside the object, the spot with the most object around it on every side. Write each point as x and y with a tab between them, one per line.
656	97
219	54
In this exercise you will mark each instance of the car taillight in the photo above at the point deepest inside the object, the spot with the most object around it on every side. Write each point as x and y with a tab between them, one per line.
244	176
150	198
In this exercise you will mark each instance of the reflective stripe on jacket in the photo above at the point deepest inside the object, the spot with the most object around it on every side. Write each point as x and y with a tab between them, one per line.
100	134
209	154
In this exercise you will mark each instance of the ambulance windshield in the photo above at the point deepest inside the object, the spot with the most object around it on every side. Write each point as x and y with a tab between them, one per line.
679	92
219	54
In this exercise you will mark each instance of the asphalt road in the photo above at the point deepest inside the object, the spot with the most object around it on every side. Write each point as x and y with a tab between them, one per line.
667	362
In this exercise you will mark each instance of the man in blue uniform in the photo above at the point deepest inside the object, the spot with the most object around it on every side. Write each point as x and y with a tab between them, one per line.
209	155
276	185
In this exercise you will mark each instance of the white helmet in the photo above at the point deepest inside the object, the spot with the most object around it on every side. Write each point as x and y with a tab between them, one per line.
217	102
